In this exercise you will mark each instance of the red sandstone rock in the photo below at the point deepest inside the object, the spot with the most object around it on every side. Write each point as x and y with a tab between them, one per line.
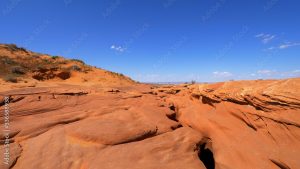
244	124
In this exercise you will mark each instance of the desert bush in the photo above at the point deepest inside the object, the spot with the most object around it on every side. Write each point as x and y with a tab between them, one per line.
78	60
54	57
8	61
75	68
63	62
64	75
17	70
40	66
47	61
14	47
116	74
36	56
11	78
193	82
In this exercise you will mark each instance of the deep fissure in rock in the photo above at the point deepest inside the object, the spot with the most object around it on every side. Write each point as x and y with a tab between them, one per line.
206	156
172	117
172	107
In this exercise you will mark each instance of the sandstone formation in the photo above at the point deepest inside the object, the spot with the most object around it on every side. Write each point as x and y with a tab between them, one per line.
243	124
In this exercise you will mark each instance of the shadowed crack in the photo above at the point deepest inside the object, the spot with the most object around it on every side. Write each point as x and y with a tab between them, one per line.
280	164
205	154
209	101
247	122
172	116
73	93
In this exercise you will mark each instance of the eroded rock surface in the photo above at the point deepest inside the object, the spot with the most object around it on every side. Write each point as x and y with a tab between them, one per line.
230	125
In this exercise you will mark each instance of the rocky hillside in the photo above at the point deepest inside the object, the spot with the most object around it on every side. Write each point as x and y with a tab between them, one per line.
19	65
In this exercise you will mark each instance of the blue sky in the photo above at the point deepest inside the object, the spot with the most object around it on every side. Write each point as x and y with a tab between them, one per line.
163	40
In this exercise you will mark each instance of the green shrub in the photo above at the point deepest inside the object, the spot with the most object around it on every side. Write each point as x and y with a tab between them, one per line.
11	78
14	48
75	68
63	62
47	61
78	60
17	70
36	56
54	57
8	61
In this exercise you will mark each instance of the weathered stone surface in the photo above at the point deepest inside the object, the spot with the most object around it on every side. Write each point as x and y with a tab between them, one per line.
242	124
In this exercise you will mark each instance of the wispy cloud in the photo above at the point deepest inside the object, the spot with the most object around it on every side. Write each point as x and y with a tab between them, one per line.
265	38
282	46
287	45
266	72
222	74
270	48
118	48
274	73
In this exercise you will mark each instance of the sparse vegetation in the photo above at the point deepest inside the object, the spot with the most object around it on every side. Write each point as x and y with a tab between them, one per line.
18	70
78	60
75	68
193	82
16	66
14	48
8	61
47	61
36	56
116	74
11	78
54	57
63	62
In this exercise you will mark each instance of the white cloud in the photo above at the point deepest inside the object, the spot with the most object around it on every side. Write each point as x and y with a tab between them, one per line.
266	72
222	74
271	48
118	48
274	73
287	45
265	38
282	46
296	71
259	35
